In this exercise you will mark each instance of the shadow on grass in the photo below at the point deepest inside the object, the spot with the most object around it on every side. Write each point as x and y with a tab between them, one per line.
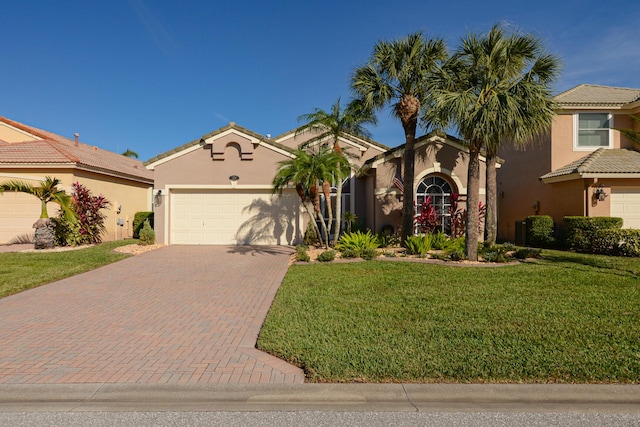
618	266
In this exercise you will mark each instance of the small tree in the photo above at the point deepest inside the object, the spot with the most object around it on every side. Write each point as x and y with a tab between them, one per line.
147	235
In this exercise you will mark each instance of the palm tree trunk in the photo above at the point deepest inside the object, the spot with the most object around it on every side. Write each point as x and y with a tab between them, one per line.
473	198
326	190
408	210
491	215
337	225
301	194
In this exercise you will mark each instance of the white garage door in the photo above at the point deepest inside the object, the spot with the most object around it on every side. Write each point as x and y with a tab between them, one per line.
625	203
230	217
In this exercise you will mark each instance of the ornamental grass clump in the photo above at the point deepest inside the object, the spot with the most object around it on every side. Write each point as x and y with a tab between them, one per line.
358	245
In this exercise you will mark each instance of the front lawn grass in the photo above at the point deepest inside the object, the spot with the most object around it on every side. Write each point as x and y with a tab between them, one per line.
568	318
20	271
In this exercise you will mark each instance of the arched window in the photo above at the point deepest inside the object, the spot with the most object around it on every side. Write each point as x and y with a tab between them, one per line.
440	191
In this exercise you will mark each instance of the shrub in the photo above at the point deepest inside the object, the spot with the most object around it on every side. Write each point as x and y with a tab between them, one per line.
539	231
368	254
138	222
617	242
456	255
301	254
439	240
494	256
418	245
327	256
310	235
428	221
356	243
385	239
524	253
457	244
89	227
147	235
580	231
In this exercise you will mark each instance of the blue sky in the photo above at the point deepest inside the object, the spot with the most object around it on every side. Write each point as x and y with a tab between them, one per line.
151	75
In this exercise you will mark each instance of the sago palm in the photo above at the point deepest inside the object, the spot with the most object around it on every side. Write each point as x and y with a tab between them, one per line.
495	89
396	75
330	127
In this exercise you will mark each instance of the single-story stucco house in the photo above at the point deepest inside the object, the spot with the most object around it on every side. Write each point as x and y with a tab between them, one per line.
217	188
30	154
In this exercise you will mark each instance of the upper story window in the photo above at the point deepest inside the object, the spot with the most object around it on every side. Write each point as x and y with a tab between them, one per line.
593	130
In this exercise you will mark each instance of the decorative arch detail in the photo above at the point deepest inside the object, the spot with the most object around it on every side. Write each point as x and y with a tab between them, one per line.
437	169
244	146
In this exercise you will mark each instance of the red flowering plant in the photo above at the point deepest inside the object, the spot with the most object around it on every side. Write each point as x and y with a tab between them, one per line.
90	225
428	220
459	217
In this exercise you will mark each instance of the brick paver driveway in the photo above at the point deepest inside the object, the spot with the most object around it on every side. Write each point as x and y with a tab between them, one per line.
179	315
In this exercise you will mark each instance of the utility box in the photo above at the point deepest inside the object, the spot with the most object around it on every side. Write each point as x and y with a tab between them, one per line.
120	222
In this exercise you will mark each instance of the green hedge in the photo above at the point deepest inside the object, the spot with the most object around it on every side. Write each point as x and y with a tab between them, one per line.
580	231
539	232
138	222
617	242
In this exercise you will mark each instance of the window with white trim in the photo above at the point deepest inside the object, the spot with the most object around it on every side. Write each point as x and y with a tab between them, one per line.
439	191
592	130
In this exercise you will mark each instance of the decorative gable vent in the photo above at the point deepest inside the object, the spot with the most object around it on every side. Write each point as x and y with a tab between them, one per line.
242	144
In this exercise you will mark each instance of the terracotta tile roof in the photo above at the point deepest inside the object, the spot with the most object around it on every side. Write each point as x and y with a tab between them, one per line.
601	161
56	149
594	95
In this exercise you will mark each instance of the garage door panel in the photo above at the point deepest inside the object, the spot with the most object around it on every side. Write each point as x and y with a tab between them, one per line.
233	217
625	203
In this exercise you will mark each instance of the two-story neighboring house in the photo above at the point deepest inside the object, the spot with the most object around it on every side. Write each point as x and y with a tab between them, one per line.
583	166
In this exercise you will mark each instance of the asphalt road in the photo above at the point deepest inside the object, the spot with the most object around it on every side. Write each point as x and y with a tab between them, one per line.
370	419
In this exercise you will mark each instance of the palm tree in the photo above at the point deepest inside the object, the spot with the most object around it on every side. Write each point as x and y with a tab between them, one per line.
304	171
632	134
130	153
494	89
332	126
46	192
396	74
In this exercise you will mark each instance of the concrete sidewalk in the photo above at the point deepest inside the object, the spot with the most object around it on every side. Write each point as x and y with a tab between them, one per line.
322	397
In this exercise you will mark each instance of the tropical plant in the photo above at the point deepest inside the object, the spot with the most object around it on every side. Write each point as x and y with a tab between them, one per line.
419	244
89	227
496	88
357	244
331	126
428	221
396	74
632	134
439	240
350	218
304	171
130	153
46	192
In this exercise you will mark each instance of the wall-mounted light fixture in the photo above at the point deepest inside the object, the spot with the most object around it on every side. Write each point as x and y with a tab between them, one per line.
234	178
159	198
600	194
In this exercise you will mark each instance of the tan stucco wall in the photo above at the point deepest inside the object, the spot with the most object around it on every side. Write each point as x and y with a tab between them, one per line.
433	158
10	134
196	168
133	197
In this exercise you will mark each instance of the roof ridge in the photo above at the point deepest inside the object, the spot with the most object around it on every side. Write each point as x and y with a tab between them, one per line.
589	159
61	150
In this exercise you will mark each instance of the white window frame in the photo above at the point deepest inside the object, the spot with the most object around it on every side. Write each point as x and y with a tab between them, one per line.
576	131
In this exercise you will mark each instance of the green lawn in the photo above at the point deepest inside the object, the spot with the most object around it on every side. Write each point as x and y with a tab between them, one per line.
22	271
567	318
